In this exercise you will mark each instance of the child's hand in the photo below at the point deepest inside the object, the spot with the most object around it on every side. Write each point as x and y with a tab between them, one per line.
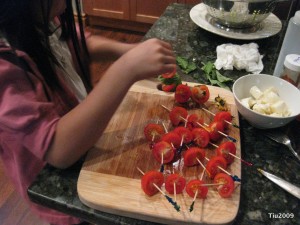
148	59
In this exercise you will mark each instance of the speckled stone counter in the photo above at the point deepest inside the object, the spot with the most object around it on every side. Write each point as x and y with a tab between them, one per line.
262	202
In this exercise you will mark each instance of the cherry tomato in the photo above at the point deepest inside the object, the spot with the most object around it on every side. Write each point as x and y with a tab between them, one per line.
214	128
195	185
224	149
200	94
222	116
226	187
182	93
192	154
169	75
201	137
172	138
194	120
168	87
179	183
177	115
213	164
165	150
153	132
184	133
150	178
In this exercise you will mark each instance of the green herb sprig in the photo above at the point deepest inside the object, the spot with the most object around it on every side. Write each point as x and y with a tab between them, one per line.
214	76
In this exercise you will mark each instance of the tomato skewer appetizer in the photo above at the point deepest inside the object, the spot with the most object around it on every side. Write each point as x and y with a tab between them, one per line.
222	115
177	181
200	137
172	138
149	179
192	154
230	152
163	151
227	150
196	188
153	179
178	115
185	134
194	121
182	93
217	164
226	187
200	94
153	132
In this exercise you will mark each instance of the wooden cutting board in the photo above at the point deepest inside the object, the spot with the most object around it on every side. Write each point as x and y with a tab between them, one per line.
109	180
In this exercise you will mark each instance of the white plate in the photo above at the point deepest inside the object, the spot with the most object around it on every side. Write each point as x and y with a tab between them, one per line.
267	28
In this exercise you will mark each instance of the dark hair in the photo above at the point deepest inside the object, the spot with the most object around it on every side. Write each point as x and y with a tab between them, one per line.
24	33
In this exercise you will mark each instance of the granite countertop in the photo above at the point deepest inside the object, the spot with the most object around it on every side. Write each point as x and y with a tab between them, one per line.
262	202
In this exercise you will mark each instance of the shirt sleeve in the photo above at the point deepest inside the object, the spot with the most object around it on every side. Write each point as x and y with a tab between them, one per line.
27	117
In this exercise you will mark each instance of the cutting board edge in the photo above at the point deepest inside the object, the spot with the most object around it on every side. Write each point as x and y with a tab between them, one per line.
150	216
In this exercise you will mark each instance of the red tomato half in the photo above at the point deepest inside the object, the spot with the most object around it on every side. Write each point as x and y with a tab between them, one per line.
201	137
191	155
153	132
195	185
182	93
213	164
184	133
222	116
194	120
200	94
150	178
177	115
172	138
214	127
165	150
224	149
179	183
168	87
226	187
169	75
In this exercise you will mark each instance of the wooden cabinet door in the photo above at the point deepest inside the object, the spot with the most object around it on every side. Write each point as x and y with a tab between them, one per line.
116	9
148	11
191	2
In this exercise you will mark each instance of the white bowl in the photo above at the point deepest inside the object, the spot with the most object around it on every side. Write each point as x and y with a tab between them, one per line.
287	92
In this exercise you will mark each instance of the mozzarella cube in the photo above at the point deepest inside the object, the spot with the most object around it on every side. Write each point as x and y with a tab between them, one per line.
245	102
261	108
255	92
270	97
252	102
279	107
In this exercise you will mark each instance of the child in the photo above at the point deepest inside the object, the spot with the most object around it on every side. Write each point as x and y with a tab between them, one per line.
48	112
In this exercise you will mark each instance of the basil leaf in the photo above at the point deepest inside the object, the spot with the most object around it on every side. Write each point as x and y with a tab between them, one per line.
182	62
185	65
222	78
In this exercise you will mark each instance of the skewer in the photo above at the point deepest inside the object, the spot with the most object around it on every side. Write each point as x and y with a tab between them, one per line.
194	199
181	146
208	185
234	177
162	163
203	166
185	120
174	186
193	203
166	130
226	121
247	163
225	135
177	207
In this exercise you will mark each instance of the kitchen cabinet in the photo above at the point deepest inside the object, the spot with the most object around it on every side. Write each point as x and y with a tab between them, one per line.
137	15
148	11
